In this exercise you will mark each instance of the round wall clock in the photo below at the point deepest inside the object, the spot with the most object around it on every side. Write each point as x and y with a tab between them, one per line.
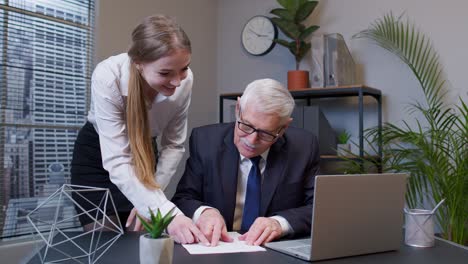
258	35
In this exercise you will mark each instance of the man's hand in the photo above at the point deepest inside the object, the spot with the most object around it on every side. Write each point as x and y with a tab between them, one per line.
212	225
263	230
183	231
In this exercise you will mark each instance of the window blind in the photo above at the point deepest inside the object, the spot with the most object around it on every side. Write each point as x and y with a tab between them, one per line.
46	54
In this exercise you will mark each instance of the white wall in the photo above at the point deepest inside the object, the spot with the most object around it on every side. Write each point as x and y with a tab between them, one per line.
116	20
444	22
221	65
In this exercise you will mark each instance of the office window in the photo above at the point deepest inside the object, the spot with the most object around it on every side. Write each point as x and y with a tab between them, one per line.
45	66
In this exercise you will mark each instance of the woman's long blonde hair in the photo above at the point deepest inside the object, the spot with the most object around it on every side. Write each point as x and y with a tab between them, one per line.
155	37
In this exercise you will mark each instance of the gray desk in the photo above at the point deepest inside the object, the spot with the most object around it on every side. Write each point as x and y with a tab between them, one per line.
125	250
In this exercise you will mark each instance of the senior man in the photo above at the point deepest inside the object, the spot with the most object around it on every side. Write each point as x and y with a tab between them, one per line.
255	175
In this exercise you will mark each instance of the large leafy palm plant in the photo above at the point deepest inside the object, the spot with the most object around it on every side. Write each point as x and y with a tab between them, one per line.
434	150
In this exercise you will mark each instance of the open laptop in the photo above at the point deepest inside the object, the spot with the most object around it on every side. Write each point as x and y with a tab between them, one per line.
352	215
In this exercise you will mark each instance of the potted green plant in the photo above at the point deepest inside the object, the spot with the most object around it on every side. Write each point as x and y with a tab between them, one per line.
289	20
155	246
435	150
343	147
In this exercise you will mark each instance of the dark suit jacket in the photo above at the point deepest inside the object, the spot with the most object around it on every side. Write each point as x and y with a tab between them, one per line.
210	176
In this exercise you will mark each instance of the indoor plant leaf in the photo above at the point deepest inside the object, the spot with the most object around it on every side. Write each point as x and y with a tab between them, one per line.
282	42
289	21
283	14
306	33
304	11
158	223
291	6
145	224
303	49
152	216
287	27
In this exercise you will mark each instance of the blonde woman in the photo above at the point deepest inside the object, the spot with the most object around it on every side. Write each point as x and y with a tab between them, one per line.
135	97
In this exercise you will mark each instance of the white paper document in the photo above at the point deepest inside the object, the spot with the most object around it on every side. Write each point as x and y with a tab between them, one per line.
223	247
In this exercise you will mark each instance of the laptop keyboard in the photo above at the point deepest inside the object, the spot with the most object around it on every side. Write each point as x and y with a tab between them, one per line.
304	250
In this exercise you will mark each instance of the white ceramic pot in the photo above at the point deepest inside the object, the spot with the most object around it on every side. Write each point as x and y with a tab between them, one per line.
156	250
343	149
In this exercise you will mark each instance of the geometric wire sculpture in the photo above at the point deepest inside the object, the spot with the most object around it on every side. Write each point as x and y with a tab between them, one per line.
49	221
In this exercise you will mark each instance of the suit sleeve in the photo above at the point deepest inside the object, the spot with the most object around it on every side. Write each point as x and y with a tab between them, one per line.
299	218
189	194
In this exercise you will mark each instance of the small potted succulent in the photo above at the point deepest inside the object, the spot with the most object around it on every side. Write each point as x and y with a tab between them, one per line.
289	20
155	246
343	148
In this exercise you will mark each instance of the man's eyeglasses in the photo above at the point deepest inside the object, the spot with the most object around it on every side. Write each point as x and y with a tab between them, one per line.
249	129
263	135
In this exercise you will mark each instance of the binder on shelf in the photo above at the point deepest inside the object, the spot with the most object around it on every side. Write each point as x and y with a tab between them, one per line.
339	66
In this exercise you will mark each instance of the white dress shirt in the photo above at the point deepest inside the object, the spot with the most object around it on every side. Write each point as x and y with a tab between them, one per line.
168	121
245	165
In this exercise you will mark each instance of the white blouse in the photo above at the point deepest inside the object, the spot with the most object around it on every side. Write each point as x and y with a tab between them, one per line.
168	121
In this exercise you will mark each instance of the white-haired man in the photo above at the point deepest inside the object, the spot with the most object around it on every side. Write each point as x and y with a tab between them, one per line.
254	175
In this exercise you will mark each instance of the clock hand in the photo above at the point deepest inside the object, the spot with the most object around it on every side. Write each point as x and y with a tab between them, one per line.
258	35
254	32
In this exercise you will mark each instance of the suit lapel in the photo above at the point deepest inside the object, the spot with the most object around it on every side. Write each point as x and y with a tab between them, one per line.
273	174
228	172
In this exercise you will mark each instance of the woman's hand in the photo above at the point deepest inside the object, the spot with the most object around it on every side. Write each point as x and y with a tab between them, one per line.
184	231
132	219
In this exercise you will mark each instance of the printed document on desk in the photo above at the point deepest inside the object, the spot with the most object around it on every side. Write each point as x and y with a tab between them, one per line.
223	247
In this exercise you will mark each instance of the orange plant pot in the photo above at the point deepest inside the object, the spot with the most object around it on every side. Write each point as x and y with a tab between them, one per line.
298	80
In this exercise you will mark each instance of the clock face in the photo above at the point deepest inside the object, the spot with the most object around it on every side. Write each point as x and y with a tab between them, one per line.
258	35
